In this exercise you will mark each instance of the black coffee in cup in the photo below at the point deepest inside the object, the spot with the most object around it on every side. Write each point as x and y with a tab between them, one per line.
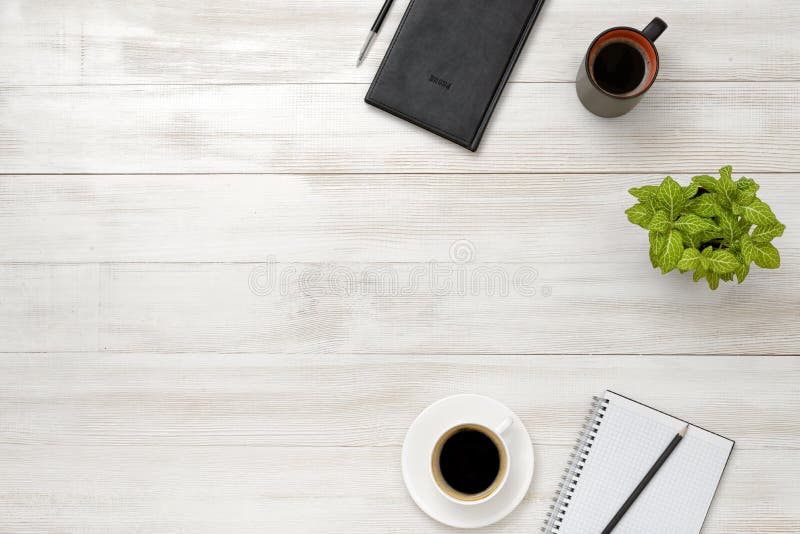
619	67
469	462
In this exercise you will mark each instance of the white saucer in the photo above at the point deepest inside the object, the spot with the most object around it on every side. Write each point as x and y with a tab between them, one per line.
416	459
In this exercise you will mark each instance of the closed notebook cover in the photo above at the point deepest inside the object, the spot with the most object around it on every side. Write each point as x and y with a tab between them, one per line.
449	61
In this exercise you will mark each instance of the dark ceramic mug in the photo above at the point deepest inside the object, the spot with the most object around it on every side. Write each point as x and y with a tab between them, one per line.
619	68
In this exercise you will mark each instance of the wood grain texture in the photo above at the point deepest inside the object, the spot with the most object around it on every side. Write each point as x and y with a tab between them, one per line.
275	400
543	307
317	41
680	127
241	443
149	383
377	218
307	490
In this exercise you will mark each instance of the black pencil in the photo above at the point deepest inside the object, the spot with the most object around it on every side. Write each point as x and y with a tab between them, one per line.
645	481
373	32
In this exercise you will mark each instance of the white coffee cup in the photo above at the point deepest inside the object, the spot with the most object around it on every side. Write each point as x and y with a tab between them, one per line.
495	434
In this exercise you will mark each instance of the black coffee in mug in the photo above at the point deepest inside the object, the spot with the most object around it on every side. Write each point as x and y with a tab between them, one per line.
619	68
469	462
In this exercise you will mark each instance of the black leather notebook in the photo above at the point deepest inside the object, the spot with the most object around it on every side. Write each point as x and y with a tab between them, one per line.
449	62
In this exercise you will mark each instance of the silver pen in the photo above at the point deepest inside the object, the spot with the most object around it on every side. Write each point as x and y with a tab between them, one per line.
373	32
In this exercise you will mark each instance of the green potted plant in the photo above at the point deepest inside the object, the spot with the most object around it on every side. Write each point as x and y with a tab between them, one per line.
714	227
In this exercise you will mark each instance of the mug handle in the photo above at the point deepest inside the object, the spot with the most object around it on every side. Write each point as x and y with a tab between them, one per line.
654	30
505	425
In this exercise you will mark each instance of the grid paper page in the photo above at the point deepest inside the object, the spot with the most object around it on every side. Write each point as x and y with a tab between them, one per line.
679	496
630	439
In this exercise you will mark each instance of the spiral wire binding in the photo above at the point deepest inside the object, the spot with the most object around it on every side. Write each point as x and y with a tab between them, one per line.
572	473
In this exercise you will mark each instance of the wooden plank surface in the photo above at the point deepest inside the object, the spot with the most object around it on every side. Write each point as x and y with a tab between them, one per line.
543	307
213	442
567	218
346	400
317	41
306	490
680	127
155	155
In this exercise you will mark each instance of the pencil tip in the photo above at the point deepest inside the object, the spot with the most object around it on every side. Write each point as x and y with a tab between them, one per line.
683	432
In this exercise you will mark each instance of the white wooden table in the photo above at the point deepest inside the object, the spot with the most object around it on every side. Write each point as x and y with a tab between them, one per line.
155	156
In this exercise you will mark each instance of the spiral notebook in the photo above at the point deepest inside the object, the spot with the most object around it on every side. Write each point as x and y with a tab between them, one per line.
621	441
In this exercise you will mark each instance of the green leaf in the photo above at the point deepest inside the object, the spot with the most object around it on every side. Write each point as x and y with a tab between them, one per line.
640	214
692	224
709	183
705	258
670	198
744	184
699	273
746	198
727	277
673	251
657	242
742	272
645	192
757	212
697	240
689	260
653	259
713	280
743	227
722	262
765	234
690	191
746	248
765	255
768	256
747	191
729	225
692	241
704	206
659	223
727	192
